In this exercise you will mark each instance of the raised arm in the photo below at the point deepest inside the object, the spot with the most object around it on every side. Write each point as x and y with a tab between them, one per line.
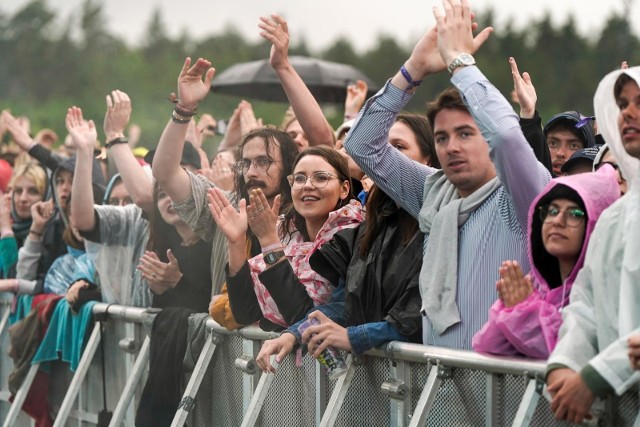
166	161
530	121
516	164
84	135
21	137
135	179
304	105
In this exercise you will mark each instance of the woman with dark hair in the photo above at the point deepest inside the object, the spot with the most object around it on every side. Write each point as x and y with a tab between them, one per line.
377	265
176	263
278	287
527	316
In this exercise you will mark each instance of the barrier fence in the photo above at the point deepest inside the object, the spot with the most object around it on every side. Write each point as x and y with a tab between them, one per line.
399	384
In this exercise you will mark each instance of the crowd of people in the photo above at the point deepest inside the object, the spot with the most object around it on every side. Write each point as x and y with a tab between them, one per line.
470	226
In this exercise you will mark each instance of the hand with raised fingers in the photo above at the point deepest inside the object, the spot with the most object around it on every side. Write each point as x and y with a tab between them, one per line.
221	173
281	347
161	276
248	121
192	88
455	30
83	132
232	222
263	218
207	125
194	136
18	132
356	95
525	91
276	31
117	115
513	286
327	334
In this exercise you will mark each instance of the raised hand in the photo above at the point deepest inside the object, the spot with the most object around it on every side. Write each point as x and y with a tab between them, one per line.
281	347
263	218
194	136
248	121
41	214
206	125
327	333
356	95
161	276
83	132
525	91
276	30
513	286
19	133
221	173
191	87
117	115
233	223
455	30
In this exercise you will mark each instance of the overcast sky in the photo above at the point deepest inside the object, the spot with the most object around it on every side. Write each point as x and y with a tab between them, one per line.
323	21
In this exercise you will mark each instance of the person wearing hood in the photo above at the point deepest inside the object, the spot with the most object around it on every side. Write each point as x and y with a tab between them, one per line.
606	157
567	133
524	321
591	357
28	186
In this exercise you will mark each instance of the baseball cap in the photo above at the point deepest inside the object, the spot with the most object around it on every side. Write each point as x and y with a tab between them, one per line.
190	156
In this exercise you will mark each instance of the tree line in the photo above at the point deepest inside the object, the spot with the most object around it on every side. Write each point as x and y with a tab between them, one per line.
46	66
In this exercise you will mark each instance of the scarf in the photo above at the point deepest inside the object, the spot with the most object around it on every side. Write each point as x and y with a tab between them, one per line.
443	213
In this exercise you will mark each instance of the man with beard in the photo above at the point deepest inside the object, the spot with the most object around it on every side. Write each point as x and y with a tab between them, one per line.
266	158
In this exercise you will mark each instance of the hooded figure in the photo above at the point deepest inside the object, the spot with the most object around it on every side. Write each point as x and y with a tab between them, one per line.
603	312
115	246
530	328
36	257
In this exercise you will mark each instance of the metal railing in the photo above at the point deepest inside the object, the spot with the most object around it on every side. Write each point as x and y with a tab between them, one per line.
399	384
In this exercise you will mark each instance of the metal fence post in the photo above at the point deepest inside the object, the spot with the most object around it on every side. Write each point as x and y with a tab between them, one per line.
399	393
493	403
529	403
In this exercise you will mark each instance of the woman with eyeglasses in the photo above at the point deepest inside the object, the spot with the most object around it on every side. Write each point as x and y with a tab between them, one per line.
278	287
527	316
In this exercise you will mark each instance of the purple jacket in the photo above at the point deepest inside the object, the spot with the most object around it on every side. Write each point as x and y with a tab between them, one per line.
530	328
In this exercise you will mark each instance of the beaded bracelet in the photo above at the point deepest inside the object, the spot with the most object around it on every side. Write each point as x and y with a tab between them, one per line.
184	112
177	118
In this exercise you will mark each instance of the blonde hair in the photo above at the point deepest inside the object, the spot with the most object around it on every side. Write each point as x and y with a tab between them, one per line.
34	172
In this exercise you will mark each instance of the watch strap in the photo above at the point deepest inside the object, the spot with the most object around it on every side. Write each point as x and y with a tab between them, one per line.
272	257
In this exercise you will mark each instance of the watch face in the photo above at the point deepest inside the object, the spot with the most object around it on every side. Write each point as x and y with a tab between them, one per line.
467	59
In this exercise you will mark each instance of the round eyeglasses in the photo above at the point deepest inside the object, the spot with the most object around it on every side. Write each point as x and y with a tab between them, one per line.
573	217
318	179
261	163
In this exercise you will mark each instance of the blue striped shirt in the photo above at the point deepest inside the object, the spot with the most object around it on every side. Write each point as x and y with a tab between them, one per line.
496	231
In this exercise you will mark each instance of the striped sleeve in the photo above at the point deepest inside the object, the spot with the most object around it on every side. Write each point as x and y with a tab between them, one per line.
367	143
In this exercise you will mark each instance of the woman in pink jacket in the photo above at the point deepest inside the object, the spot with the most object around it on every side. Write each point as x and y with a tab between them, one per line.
524	321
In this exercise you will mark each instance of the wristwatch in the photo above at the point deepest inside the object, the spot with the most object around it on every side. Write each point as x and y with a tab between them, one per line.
273	257
462	60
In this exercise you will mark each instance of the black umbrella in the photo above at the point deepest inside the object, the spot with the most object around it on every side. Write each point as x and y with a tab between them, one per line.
326	80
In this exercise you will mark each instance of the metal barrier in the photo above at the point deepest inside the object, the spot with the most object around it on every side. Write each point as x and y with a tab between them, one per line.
399	384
